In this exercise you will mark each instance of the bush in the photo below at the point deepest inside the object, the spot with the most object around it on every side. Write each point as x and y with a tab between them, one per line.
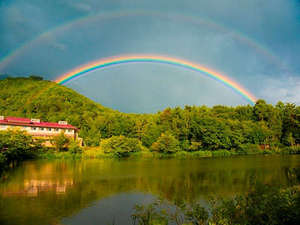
248	149
17	145
195	146
120	146
201	154
166	143
291	150
74	148
263	205
60	142
222	153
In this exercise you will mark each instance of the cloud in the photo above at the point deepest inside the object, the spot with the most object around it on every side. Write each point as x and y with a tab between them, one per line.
285	90
273	27
82	6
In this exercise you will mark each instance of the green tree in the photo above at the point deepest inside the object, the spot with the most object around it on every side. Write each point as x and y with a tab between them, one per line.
121	146
74	147
16	145
60	142
166	143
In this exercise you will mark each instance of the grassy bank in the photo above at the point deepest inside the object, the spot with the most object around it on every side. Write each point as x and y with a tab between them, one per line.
98	153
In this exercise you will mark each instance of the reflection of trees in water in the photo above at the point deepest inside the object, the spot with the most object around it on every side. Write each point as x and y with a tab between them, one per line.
84	182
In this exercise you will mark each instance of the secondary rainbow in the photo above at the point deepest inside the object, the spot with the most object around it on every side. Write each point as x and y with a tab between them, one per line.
114	61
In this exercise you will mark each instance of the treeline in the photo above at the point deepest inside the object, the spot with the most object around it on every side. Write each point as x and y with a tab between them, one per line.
192	128
195	128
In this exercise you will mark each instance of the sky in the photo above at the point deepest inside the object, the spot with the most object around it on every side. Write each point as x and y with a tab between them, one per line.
253	42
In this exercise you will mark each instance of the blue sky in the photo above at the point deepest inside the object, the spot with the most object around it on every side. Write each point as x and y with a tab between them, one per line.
254	42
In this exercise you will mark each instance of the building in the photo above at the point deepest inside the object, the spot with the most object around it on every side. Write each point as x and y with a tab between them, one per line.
39	129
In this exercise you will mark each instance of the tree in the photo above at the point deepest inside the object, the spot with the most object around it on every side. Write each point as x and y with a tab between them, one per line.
120	146
261	110
16	146
195	146
74	148
35	77
166	143
60	142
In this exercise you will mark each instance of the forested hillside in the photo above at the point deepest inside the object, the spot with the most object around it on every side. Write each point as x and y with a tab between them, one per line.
192	129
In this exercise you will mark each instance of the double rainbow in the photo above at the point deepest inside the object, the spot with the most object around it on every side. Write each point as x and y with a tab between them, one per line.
113	61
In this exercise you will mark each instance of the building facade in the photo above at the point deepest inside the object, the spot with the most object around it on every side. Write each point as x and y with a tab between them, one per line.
39	129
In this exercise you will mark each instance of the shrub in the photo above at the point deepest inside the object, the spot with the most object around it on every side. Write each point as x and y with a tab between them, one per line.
263	205
60	142
291	150
222	153
201	154
248	149
120	146
185	145
195	146
17	145
74	148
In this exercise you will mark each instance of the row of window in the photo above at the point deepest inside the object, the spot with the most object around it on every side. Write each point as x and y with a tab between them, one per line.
39	128
49	129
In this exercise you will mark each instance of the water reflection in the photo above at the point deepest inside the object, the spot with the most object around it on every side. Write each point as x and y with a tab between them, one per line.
47	191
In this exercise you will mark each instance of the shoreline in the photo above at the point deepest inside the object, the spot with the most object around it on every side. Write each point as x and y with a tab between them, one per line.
96	153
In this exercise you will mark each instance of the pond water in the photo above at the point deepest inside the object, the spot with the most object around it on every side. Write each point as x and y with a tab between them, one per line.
88	192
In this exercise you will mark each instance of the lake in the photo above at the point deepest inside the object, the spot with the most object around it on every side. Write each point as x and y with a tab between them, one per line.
73	192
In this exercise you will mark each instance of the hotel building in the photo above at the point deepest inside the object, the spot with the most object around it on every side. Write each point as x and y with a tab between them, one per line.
40	129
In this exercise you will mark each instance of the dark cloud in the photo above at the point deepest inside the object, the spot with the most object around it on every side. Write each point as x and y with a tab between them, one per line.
254	42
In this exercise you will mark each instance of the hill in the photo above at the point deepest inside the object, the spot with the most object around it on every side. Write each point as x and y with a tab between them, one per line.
192	128
36	98
32	97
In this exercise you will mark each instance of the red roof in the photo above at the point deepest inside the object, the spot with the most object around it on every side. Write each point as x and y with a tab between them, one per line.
27	122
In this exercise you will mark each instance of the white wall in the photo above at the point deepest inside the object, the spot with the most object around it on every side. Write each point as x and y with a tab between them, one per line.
38	130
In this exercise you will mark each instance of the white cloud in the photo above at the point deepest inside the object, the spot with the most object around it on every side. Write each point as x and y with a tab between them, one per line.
82	7
286	90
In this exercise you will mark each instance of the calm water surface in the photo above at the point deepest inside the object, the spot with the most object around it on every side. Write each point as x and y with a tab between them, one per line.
88	192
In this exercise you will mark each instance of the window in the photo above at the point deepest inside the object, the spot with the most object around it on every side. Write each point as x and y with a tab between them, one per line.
70	131
42	128
33	128
56	129
49	129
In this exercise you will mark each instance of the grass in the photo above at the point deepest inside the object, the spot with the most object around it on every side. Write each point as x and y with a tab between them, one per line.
98	153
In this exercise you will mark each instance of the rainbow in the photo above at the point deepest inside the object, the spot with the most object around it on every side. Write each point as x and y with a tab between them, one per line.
117	60
171	16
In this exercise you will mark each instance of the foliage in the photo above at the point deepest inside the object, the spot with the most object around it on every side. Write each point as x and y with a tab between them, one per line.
262	205
74	148
291	150
60	142
248	149
196	214
166	143
195	146
3	163
149	215
120	146
222	153
240	129
15	146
